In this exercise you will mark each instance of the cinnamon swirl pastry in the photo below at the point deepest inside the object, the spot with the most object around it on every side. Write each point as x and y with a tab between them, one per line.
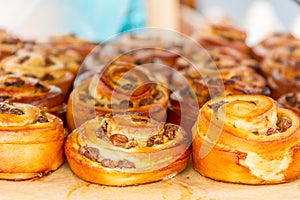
14	88
9	43
276	40
119	88
282	69
216	35
185	103
31	142
246	139
47	69
126	150
291	101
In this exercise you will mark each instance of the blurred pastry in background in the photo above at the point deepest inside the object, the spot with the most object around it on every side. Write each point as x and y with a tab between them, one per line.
9	43
21	89
291	101
48	69
281	67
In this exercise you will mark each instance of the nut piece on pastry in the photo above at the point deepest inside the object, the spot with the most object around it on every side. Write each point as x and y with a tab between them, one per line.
119	88
31	141
291	101
247	139
14	88
47	69
124	150
282	69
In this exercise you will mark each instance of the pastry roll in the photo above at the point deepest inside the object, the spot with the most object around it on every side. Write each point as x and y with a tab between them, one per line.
282	69
115	49
31	142
119	88
47	69
124	150
220	61
217	35
71	59
71	41
246	139
141	47
291	101
8	43
161	61
14	88
185	103
276	40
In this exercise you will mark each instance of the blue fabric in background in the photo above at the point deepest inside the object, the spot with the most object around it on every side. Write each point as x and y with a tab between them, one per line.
98	20
95	20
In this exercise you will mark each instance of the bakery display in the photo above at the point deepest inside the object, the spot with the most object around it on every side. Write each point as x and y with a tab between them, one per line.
121	150
47	69
21	89
118	88
246	139
31	141
140	100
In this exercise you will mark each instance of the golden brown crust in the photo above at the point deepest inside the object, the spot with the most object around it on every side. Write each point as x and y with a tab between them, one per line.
120	88
125	151
246	139
47	69
31	142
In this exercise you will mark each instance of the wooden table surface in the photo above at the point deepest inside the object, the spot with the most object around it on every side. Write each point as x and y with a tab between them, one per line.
63	184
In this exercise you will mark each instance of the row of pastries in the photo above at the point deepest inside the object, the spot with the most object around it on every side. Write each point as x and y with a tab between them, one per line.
135	109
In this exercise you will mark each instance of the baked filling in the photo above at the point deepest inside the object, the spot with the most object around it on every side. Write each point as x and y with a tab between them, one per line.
131	142
20	87
85	97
